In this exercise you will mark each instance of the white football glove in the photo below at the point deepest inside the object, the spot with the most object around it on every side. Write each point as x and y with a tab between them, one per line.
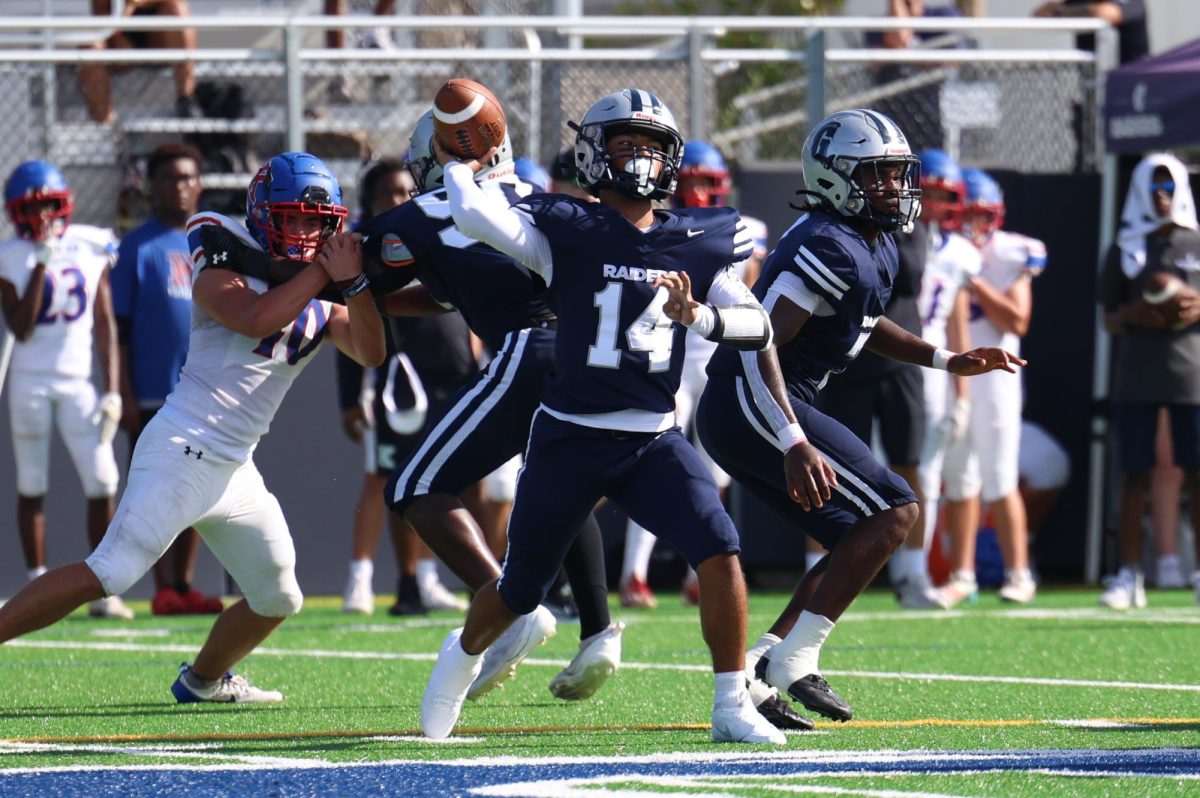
46	249
954	425
107	416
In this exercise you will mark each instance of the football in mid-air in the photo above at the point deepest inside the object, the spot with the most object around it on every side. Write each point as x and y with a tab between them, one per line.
467	118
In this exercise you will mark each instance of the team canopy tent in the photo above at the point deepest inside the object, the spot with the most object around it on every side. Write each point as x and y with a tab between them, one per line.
1154	103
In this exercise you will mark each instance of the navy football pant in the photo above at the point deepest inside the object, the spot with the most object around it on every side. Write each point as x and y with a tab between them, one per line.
658	479
739	439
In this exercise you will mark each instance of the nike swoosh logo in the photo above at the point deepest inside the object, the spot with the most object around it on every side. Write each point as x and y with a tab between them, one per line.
364	239
694	233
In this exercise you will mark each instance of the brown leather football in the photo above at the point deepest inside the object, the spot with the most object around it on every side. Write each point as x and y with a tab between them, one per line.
467	118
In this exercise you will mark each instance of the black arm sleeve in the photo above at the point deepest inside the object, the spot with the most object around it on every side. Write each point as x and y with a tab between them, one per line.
349	381
224	250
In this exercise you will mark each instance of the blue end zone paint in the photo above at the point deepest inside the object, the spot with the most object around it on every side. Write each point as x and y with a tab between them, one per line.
461	777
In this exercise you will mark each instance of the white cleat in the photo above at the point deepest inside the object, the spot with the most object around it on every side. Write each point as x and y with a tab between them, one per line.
599	657
1124	591
502	657
435	596
359	598
961	587
229	689
1021	589
916	593
743	724
452	675
110	607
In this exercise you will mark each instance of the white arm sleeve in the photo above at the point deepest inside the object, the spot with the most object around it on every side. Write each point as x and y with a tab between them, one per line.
490	220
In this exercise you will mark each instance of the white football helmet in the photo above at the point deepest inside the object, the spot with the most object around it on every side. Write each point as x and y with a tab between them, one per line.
843	156
628	109
427	171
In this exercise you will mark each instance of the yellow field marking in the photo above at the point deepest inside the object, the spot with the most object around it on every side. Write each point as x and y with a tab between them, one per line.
648	727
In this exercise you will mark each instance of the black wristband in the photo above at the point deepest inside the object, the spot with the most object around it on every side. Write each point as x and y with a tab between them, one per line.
356	287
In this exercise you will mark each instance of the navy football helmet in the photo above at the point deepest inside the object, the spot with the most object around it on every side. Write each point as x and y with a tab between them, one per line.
847	154
427	170
628	110
290	185
704	179
38	200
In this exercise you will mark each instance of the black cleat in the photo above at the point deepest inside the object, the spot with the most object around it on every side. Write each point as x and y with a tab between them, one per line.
813	692
407	606
782	716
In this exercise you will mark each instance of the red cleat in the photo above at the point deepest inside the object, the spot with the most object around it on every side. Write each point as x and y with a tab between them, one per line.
636	593
196	603
167	601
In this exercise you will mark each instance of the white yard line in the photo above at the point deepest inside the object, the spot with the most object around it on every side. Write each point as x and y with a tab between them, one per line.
176	648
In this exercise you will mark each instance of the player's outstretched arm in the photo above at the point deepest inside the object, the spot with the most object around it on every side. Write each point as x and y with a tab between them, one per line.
225	296
982	360
357	330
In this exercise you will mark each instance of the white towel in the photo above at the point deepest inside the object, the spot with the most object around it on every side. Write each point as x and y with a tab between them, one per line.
1138	218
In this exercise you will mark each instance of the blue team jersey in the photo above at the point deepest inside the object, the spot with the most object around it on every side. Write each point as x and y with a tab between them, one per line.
152	288
853	280
494	293
615	348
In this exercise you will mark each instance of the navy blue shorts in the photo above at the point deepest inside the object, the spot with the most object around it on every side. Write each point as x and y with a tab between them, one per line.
896	398
1137	423
739	439
482	426
658	479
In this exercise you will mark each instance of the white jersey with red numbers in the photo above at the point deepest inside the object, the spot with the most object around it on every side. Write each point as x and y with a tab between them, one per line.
1007	257
231	385
952	262
61	342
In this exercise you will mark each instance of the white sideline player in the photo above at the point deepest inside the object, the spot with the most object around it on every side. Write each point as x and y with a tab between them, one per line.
984	461
55	293
944	307
193	463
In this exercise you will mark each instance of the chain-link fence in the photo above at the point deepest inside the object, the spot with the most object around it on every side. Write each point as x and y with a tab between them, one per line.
750	86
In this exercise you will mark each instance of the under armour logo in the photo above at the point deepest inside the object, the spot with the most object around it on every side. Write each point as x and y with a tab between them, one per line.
190	450
694	233
220	257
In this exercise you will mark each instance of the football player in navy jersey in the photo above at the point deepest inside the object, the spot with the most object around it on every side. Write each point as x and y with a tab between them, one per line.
487	422
620	275
826	286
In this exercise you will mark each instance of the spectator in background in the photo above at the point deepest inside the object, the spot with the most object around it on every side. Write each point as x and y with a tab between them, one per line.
94	79
54	291
152	301
385	410
374	37
1127	16
1157	349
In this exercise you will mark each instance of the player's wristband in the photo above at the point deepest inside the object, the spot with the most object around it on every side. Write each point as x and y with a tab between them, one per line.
941	358
355	287
705	321
791	435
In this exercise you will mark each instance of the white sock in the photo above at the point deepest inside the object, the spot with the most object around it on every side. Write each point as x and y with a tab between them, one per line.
754	654
427	571
1019	575
730	689
362	569
639	544
803	644
962	575
34	573
911	562
811	558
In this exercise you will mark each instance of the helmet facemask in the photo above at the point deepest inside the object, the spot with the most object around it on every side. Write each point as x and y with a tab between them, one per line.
33	222
282	216
888	208
639	179
942	202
